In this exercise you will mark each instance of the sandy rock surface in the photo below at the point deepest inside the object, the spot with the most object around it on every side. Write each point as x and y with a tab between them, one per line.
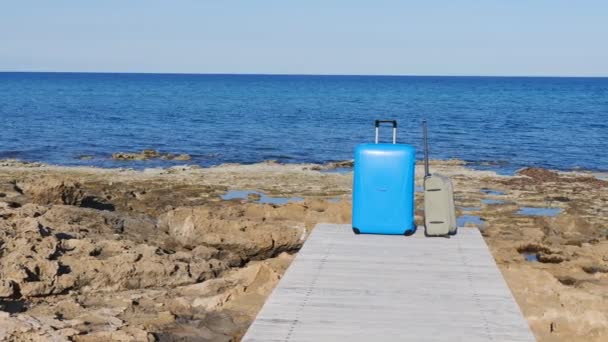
91	254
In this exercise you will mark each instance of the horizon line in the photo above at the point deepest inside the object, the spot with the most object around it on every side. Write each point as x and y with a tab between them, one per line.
287	74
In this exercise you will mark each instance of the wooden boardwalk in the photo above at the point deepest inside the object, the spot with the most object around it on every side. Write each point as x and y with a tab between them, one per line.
345	287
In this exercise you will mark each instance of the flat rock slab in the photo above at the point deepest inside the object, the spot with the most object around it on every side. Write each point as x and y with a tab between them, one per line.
347	287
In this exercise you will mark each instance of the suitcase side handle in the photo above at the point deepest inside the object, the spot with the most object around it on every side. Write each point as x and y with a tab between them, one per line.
377	124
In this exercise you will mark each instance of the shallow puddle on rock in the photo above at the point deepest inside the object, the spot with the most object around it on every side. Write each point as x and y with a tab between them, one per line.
470	208
13	306
532	257
492	201
492	192
263	198
601	175
533	211
461	221
419	189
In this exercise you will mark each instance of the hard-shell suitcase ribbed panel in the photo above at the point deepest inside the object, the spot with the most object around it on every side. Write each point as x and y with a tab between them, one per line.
383	189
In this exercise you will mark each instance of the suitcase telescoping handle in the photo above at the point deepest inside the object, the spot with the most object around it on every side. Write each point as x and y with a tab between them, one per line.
394	122
425	139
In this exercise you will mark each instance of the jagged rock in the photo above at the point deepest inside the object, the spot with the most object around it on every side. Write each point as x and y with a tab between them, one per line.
79	222
570	228
182	157
7	288
191	275
47	255
51	191
539	174
194	226
143	155
149	154
337	165
24	327
122	335
30	210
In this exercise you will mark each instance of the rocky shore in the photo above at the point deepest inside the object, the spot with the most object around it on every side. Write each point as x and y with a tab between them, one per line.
149	154
190	254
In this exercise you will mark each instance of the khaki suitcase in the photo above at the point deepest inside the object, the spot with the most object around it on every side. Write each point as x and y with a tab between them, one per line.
439	211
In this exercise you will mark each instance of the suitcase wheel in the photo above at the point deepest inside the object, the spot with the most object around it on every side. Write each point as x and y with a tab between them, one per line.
409	232
356	231
454	232
441	235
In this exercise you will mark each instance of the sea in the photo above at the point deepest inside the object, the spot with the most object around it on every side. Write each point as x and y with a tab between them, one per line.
495	123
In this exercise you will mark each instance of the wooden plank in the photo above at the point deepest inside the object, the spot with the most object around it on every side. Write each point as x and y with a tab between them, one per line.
391	288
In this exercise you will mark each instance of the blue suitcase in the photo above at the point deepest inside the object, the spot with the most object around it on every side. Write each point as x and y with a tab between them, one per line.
383	187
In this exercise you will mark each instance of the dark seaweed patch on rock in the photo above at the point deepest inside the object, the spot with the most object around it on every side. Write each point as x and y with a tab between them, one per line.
595	269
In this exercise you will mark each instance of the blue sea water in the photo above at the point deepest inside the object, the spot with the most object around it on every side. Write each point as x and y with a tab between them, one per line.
499	123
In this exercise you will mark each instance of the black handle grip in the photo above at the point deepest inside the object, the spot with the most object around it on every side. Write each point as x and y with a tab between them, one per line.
394	122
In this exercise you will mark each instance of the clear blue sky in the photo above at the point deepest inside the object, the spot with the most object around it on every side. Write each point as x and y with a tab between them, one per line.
417	37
